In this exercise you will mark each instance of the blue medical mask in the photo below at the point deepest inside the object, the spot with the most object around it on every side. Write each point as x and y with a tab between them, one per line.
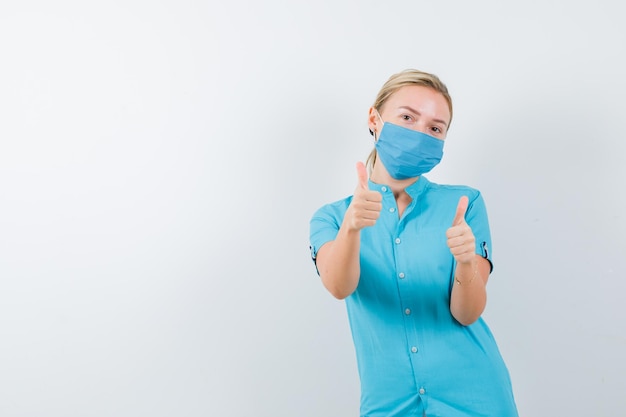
407	153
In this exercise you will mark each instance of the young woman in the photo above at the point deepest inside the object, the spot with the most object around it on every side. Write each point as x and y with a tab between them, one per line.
412	258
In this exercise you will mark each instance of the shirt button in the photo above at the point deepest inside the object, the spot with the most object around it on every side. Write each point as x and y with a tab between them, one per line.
383	188
414	349
422	391
407	311
392	209
398	240
401	275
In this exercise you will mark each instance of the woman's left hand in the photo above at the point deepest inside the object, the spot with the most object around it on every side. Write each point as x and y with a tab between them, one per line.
461	240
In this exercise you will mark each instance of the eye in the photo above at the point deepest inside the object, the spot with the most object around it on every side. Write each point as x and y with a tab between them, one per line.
406	117
437	130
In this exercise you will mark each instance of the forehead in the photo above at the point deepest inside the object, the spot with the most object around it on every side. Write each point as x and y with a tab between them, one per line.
424	99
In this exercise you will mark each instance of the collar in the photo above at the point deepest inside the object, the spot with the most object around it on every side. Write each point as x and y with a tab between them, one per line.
413	190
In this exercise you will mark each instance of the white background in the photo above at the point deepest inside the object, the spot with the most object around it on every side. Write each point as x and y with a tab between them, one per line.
160	162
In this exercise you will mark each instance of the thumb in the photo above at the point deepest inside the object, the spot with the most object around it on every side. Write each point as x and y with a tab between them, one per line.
362	173
461	208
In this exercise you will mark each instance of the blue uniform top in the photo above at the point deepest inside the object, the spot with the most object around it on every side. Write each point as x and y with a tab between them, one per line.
413	357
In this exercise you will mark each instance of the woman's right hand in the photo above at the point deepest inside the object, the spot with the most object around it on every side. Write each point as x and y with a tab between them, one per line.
366	204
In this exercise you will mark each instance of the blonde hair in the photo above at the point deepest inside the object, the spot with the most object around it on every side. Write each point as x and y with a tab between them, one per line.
402	79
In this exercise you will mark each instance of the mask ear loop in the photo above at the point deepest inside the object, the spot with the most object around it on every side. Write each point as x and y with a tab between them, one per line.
381	119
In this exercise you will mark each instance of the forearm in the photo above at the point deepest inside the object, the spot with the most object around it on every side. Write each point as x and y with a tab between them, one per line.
338	263
469	292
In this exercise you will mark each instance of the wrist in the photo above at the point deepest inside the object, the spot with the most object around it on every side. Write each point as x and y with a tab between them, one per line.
467	278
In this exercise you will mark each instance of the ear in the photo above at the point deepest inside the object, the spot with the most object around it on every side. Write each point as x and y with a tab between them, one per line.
373	122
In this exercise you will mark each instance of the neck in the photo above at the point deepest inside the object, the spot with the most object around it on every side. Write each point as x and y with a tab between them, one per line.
381	176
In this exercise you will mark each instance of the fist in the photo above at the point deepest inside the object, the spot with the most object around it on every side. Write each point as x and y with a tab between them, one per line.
366	204
461	240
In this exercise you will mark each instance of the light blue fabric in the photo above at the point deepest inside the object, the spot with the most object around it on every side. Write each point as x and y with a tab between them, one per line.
407	153
412	355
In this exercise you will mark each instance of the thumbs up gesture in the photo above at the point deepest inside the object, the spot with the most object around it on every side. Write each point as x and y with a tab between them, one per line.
461	240
366	204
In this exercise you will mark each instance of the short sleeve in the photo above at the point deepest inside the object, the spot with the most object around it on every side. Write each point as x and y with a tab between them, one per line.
324	226
478	220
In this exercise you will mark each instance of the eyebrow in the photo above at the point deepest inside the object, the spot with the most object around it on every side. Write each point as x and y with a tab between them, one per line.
419	114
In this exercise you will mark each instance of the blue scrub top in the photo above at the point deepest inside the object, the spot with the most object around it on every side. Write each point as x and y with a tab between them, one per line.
413	357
